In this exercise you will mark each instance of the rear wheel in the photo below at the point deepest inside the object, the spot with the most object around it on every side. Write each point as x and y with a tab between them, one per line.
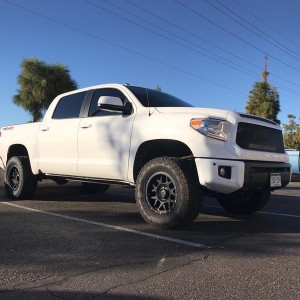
20	183
245	203
167	194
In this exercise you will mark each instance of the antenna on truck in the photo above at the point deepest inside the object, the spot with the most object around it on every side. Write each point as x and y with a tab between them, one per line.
147	95
148	102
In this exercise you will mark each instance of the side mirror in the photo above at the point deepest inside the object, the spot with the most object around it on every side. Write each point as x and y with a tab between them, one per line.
114	104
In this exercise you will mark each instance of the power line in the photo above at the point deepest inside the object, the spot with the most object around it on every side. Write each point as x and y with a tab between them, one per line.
190	33
235	67
263	22
123	47
282	47
234	35
188	47
128	49
225	62
206	41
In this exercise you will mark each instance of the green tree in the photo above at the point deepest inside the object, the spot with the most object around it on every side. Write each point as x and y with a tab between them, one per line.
39	83
291	134
264	99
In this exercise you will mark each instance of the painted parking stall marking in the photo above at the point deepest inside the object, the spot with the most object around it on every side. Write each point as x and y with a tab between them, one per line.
119	228
263	212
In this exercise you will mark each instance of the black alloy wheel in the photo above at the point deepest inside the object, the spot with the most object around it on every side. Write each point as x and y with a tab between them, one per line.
161	193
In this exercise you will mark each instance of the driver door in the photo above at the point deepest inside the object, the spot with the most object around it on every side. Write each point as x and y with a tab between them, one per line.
104	140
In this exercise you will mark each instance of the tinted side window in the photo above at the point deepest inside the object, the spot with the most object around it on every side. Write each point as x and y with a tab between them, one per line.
93	110
69	106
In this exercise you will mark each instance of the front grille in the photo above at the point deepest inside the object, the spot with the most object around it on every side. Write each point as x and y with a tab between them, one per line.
268	170
259	138
257	118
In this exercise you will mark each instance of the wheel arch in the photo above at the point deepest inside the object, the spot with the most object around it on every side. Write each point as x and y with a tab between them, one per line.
17	150
157	148
28	151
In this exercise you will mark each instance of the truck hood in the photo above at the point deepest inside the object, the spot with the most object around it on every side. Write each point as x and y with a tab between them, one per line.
229	115
194	112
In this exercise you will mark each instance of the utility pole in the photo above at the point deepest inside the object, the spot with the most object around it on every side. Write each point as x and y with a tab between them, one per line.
265	73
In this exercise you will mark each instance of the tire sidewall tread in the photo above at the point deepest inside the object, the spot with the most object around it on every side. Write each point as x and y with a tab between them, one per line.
28	182
188	202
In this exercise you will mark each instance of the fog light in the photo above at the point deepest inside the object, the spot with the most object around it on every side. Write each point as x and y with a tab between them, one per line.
224	172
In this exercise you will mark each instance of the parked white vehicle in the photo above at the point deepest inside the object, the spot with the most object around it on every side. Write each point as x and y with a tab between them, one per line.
172	153
294	160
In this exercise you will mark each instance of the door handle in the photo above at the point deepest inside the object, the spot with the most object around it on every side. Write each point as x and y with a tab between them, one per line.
45	129
85	126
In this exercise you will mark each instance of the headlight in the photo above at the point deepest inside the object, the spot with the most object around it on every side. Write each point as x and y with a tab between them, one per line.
214	128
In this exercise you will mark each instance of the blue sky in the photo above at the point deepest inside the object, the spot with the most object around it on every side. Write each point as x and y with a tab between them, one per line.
207	52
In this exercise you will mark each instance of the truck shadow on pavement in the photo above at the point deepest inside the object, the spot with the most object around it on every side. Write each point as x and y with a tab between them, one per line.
115	207
75	192
257	234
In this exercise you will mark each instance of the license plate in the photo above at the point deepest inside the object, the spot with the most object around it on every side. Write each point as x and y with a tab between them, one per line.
275	180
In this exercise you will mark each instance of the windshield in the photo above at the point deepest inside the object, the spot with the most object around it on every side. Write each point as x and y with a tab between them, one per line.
153	98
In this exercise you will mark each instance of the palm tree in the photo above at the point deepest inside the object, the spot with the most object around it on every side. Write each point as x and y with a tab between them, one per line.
39	84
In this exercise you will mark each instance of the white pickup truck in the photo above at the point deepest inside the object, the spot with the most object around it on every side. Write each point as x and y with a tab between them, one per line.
171	152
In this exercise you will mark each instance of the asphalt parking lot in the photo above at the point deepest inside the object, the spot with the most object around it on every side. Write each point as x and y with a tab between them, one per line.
68	245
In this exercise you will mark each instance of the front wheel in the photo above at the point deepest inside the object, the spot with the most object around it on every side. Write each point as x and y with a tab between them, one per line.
167	194
20	183
246	202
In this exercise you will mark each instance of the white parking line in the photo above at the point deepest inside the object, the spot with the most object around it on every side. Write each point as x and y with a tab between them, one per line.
277	214
262	212
151	235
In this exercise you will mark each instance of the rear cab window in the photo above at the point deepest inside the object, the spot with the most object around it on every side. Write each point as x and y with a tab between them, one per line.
69	106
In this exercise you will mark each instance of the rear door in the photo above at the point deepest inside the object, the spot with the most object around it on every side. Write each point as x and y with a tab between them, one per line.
57	137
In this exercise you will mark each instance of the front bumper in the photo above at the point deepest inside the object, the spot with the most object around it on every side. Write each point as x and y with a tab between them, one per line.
257	174
243	174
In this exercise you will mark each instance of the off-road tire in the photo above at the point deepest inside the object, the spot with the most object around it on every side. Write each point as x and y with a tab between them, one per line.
19	181
167	193
245	203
